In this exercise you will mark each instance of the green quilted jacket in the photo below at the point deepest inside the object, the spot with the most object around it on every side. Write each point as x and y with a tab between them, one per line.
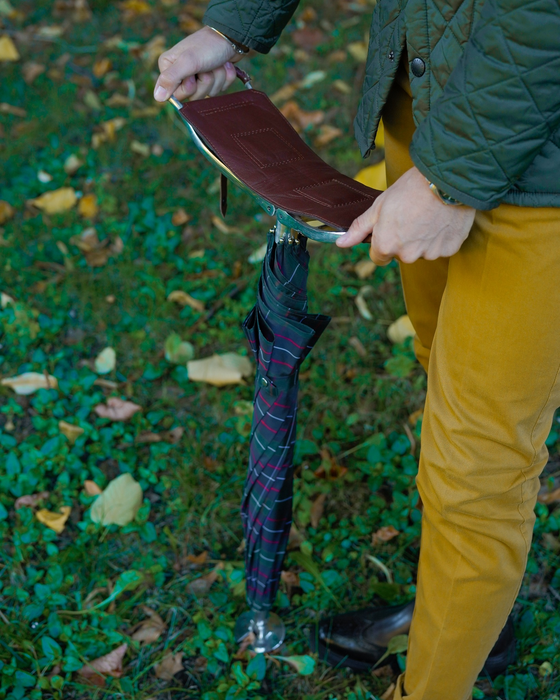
485	81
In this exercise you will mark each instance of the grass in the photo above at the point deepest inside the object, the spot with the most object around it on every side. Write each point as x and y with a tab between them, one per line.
66	312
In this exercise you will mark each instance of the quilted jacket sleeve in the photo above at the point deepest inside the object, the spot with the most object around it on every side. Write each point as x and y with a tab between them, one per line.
500	105
254	23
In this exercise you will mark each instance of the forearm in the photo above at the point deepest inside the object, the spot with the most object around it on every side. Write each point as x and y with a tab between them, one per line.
506	88
256	24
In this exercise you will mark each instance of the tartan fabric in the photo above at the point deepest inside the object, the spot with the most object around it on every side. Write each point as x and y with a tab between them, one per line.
281	334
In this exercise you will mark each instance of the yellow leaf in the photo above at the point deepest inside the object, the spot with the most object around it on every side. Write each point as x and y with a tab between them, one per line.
101	66
5	299
6	212
373	176
142	149
88	206
169	666
180	217
72	164
327	134
91	488
220	370
30	382
358	50
119	502
365	269
185	299
72	432
56	201
54	521
8	50
400	330
362	304
133	8
106	361
221	225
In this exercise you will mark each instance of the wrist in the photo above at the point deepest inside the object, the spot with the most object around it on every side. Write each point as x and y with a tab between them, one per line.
442	196
238	48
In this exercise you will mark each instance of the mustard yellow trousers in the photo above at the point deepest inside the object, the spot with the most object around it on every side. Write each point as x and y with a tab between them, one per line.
487	324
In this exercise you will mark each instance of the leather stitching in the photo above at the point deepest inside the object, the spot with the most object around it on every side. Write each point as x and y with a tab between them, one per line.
361	198
255	159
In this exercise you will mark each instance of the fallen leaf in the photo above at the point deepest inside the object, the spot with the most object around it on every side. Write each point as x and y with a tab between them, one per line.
6	108
358	346
174	436
180	217
330	468
259	254
108	665
365	269
202	585
118	503
96	252
389	693
6	212
317	508
72	432
117	409
384	534
290	578
135	8
56	201
326	135
91	488
221	225
220	370
102	66
31	71
178	351
54	521
400	330
308	38
153	50
5	300
549	497
286	92
185	299
150	630
169	666
413	418
106	361
44	177
52	31
8	50
304	665
300	119
30	382
311	79
87	206
198	559
342	87
31	500
72	164
358	50
362	304
374	176
142	149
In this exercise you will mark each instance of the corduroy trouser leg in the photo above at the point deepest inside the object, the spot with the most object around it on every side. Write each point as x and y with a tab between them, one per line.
488	334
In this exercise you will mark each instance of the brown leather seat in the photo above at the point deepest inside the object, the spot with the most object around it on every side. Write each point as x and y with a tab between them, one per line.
258	144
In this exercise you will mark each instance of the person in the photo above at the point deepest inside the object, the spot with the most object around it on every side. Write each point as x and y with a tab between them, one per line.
469	93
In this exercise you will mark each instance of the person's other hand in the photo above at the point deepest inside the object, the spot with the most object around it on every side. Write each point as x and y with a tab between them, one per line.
408	222
199	65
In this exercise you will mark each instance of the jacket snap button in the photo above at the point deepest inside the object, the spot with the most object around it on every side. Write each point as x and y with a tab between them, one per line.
264	381
418	67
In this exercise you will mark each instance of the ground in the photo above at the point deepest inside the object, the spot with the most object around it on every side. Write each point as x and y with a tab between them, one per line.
170	582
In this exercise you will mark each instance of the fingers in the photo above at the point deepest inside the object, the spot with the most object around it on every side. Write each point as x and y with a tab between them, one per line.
175	71
220	76
360	229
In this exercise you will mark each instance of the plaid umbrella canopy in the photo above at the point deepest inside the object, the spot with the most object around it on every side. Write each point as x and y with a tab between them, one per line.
281	333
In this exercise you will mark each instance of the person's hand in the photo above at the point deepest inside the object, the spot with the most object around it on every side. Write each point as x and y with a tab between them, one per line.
408	222
199	65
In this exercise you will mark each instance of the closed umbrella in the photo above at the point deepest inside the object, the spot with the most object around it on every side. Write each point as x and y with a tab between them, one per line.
281	333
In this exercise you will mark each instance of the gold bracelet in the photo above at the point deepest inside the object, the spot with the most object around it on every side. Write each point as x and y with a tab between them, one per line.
234	45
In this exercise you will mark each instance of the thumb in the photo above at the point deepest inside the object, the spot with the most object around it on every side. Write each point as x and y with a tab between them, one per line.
360	229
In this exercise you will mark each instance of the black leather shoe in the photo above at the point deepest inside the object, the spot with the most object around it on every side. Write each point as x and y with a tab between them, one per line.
357	640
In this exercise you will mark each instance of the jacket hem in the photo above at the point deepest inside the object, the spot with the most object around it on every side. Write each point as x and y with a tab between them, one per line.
241	37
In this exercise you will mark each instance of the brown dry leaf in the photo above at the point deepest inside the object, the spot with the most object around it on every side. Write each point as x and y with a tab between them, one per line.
358	346
180	217
308	38
117	409
6	108
174	436
300	119
169	666
330	468
286	92
413	418
362	304
30	382
54	521
188	23
364	269
72	432
317	508
185	299
221	225
96	252
341	86
149	630
134	8
295	538
389	693
202	585
247	641
290	578
326	135
108	665
383	672
400	330
384	534
6	211
550	497
56	201
102	66
153	50
142	149
30	501
148	437
91	488
220	370
31	71
358	50
8	50
87	206
197	559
